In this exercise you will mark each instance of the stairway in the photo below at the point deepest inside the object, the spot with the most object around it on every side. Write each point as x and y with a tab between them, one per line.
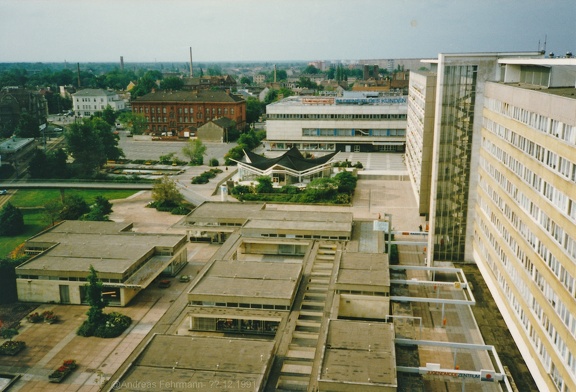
299	360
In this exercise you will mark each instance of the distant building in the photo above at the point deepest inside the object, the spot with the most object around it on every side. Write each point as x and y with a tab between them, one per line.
216	130
16	100
15	149
287	169
87	102
173	112
362	122
223	82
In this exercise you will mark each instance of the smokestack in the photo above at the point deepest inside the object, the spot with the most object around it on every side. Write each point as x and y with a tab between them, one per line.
78	68
122	63
274	73
191	69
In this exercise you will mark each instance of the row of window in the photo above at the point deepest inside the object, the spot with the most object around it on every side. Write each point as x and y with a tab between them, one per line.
185	110
519	281
301	116
70	279
89	99
558	199
554	161
565	132
549	291
306	236
89	107
352	132
240	305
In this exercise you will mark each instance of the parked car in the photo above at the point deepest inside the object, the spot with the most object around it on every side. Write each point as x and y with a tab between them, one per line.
3	191
184	278
164	283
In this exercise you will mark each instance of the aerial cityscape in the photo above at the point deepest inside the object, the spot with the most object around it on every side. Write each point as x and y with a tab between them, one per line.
287	196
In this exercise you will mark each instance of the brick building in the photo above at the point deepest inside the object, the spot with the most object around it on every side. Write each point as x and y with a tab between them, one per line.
174	112
14	101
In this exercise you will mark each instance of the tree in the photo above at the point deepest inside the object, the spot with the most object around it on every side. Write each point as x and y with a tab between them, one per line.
165	193
8	333
270	97
73	208
51	165
85	145
135	123
312	70
264	185
27	126
94	298
172	83
346	182
246	80
52	211
195	151
108	138
99	211
215	70
11	220
109	115
254	109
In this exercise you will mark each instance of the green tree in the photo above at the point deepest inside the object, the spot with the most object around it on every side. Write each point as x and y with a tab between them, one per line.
52	211
73	208
346	182
108	139
305	82
254	109
133	122
109	115
195	151
86	147
271	96
165	193
215	70
246	80
94	298
264	185
172	83
27	126
99	211
11	220
312	70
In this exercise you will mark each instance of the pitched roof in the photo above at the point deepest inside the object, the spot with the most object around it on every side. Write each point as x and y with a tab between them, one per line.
291	159
189	96
90	92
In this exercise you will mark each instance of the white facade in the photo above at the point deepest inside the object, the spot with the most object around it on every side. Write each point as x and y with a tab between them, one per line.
525	231
361	122
89	101
504	179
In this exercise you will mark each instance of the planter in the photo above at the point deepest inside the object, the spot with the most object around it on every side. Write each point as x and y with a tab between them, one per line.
12	347
63	371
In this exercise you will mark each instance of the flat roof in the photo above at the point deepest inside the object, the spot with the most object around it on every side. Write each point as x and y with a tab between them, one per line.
359	352
364	268
299	225
249	279
79	244
228	210
184	363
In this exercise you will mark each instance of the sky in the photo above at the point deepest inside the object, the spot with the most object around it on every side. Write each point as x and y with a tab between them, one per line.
278	30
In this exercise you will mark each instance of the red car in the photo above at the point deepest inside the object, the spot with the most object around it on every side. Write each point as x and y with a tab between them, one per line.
164	283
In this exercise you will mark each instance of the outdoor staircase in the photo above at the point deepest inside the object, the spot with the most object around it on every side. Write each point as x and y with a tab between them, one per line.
299	360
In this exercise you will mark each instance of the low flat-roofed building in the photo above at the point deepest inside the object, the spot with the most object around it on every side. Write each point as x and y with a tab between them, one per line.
363	286
248	284
125	261
358	356
184	363
215	221
243	296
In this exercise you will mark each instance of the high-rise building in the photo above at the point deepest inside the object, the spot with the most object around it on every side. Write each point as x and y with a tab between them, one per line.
503	191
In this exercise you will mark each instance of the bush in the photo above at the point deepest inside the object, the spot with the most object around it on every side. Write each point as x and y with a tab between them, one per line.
214	162
180	210
112	326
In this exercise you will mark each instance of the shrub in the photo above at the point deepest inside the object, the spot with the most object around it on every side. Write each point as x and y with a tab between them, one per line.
214	162
112	326
180	210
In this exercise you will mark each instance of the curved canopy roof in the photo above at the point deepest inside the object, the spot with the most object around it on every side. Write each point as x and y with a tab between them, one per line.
291	159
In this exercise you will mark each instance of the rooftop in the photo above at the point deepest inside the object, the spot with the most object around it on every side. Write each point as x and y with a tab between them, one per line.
370	269
73	246
189	96
200	365
359	352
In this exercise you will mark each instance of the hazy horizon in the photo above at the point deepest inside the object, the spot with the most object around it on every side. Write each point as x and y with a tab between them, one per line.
148	31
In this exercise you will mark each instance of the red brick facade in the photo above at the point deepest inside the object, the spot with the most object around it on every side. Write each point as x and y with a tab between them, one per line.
175	112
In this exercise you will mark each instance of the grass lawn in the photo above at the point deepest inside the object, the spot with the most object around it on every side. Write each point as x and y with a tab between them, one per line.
31	203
